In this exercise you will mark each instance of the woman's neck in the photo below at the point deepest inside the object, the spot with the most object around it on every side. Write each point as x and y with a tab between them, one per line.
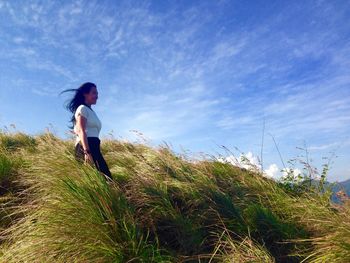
89	105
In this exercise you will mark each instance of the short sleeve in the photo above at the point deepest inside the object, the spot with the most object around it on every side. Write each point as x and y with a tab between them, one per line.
82	110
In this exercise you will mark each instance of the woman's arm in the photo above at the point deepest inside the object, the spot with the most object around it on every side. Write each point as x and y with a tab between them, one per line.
81	124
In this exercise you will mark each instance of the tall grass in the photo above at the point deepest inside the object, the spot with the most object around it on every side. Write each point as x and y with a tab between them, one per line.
161	207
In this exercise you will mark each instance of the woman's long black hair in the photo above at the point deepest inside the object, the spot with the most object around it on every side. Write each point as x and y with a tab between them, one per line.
78	99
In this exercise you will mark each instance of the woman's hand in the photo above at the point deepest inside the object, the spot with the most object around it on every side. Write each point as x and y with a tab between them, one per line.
88	159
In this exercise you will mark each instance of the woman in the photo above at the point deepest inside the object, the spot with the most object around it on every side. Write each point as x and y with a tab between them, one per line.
87	126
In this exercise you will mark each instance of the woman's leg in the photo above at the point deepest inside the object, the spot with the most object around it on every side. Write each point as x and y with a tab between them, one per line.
103	167
100	163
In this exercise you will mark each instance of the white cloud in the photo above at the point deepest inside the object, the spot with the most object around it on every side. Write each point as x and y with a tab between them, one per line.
273	171
229	122
251	162
277	173
247	161
323	146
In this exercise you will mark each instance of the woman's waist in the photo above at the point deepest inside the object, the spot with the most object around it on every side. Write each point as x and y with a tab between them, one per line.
92	141
92	132
93	138
89	138
89	128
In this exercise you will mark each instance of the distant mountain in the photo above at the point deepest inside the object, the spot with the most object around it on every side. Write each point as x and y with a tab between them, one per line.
344	185
337	186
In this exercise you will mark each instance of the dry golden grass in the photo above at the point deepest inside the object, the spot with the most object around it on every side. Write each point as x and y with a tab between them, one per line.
161	207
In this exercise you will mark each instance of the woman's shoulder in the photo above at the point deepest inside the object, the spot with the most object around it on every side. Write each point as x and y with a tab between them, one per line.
83	110
81	106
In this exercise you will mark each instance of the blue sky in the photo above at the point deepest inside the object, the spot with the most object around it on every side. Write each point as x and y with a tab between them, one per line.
196	74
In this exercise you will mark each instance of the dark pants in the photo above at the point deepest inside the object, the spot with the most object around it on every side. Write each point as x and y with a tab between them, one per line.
94	146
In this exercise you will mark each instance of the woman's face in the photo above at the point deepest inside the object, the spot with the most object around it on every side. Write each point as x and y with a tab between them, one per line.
92	96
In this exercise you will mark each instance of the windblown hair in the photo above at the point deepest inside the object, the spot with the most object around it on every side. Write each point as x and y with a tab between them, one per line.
77	99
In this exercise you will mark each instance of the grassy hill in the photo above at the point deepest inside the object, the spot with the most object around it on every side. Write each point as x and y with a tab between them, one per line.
161	207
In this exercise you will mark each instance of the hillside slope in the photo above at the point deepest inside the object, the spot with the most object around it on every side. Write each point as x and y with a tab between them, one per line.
160	208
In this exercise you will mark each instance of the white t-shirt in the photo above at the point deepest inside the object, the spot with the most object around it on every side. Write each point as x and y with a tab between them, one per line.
93	123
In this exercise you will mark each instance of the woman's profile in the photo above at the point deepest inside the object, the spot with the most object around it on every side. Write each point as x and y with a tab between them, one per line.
87	127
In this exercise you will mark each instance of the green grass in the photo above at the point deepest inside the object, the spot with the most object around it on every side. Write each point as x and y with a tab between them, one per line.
160	208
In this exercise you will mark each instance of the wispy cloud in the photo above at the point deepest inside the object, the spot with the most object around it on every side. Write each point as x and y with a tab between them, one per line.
191	71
